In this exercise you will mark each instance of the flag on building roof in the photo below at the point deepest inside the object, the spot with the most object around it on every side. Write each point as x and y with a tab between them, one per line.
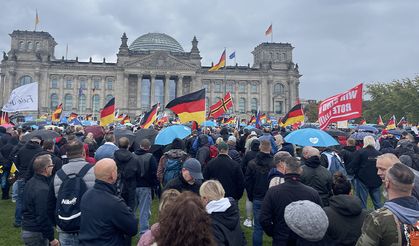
402	122
220	64
72	117
150	116
55	117
4	118
232	55
269	30
295	115
221	107
391	124
189	107
380	121
107	115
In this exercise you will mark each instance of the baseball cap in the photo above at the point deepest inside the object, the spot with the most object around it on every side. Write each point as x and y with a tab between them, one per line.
194	168
232	139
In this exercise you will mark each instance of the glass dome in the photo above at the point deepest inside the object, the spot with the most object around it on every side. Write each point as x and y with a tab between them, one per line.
156	41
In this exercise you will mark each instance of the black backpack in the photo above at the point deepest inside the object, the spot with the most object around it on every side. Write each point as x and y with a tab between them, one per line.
69	198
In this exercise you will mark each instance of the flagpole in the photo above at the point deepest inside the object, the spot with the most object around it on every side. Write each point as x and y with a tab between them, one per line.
272	33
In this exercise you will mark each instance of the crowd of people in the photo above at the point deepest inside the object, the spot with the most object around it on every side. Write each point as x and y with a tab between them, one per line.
99	190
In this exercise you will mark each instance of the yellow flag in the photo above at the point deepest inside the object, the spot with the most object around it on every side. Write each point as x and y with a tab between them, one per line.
13	169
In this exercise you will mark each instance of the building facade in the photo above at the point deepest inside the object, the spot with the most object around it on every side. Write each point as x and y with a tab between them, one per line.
153	68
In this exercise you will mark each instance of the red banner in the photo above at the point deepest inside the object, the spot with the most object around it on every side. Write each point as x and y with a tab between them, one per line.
343	106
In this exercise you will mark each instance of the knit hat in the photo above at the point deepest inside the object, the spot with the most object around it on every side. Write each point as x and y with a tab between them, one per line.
307	220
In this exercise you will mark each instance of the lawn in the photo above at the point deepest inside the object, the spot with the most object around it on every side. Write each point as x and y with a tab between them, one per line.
10	235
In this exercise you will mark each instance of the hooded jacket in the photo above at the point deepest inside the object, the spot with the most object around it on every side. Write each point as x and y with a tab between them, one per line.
363	166
251	154
234	154
24	158
225	221
275	177
171	154
345	219
256	178
150	178
181	185
317	177
127	168
347	154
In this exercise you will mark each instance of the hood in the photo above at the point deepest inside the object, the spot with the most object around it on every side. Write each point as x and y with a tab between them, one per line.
123	155
230	217
175	154
31	145
313	162
406	209
274	173
386	144
264	159
346	205
255	144
203	139
140	151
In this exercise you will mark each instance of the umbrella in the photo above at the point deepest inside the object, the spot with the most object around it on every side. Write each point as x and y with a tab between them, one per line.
119	133
88	123
208	123
167	135
395	132
366	128
44	134
142	133
311	137
96	130
360	135
253	129
309	125
337	133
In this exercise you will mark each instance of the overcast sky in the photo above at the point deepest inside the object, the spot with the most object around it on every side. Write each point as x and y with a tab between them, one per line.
338	44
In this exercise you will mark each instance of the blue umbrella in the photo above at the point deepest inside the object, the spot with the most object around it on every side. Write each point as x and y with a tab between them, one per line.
209	123
167	135
360	135
366	128
311	137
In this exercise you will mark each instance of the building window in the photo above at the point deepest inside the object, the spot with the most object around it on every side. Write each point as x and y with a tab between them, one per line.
96	103
30	45
68	102
83	84
109	84
37	46
54	83
82	103
242	105
217	87
108	98
172	89
145	94
231	110
96	83
242	87
206	86
279	88
21	45
159	91
278	107
254	88
69	84
254	105
229	87
25	80
54	101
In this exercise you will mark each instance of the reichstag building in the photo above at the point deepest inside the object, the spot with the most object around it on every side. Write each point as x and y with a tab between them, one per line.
153	68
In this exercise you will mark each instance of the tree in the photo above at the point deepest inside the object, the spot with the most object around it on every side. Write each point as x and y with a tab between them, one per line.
311	111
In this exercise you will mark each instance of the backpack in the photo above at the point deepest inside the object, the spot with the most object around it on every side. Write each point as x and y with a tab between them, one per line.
69	198
172	170
213	151
335	163
143	163
410	233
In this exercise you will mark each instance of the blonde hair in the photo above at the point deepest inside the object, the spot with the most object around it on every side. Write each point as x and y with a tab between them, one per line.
168	197
219	140
369	141
212	190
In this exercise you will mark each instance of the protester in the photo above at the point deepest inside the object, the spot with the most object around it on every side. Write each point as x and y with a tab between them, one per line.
171	162
37	229
91	143
224	213
278	197
253	135
391	224
348	151
232	152
49	146
167	198
203	155
284	146
224	169
108	149
185	223
190	179
344	212
6	162
276	174
105	218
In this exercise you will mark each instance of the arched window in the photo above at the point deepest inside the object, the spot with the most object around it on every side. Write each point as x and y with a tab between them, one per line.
254	88
278	107
82	103
68	102
96	83
54	83
96	103
108	98
25	80
109	84
254	104
30	45
172	89
145	93
21	45
242	105
159	91
54	101
279	88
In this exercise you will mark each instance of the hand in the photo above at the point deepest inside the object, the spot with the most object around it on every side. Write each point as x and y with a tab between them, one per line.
54	242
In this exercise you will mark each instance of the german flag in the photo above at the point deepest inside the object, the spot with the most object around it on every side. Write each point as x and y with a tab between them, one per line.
295	115
125	120
380	121
150	116
107	114
221	106
72	117
4	119
391	123
55	117
252	120
89	116
190	107
231	120
220	63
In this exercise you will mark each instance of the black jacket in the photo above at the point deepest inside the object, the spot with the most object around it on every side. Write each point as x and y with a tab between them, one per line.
34	210
150	179
226	226
347	154
24	157
363	166
181	185
317	177
288	147
234	154
256	178
127	168
228	172
250	155
273	207
345	219
105	218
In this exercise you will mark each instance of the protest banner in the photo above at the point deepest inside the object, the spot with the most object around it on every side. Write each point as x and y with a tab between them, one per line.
23	98
343	106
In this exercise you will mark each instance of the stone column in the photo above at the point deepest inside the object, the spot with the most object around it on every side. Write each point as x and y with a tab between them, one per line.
290	94
166	89
2	87
10	85
103	88
139	82
152	90
179	86
248	97
123	101
211	89
76	102
89	93
61	89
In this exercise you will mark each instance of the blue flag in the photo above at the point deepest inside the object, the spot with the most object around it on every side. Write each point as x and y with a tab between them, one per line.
232	55
80	91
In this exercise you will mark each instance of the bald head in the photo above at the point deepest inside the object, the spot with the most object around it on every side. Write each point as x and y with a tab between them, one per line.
106	170
310	151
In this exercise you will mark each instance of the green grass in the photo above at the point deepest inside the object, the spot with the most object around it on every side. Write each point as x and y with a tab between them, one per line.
10	235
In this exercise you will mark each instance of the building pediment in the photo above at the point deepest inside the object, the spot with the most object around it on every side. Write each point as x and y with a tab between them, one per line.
160	61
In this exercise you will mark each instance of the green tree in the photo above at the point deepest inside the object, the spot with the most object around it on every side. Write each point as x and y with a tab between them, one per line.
311	112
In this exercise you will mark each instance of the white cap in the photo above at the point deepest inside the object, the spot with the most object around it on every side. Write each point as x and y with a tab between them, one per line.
232	139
